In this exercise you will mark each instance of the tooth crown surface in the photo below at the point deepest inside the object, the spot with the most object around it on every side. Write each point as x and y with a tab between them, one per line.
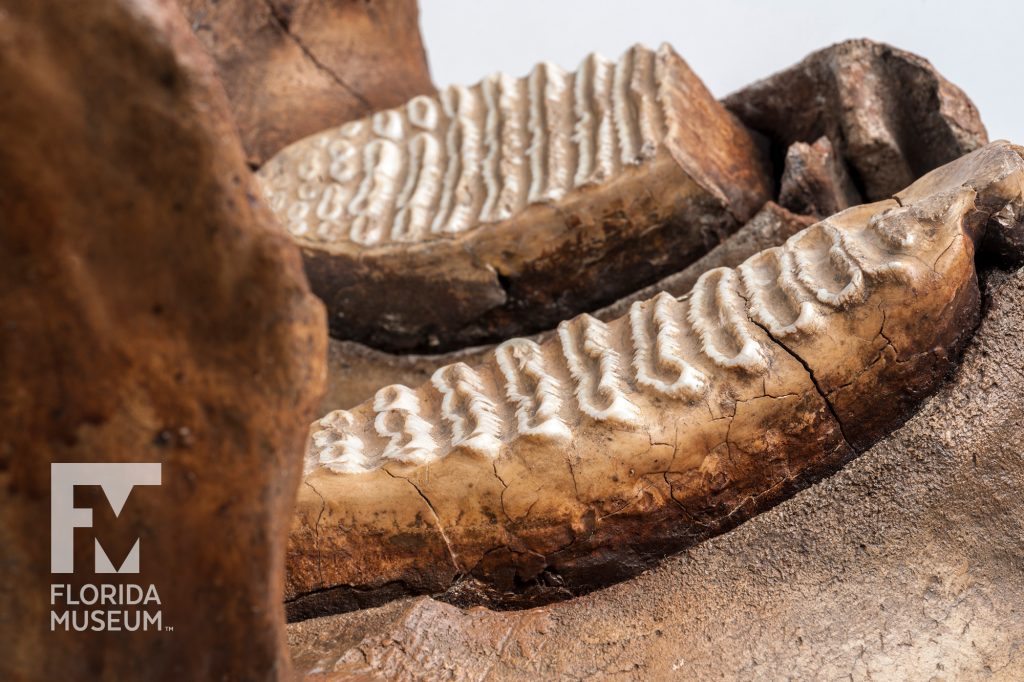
664	348
472	155
658	361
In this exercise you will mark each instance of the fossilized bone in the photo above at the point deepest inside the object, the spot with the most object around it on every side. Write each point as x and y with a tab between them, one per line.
580	460
507	206
890	115
293	67
815	180
917	540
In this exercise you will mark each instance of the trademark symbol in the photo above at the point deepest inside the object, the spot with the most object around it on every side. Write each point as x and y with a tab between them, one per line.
168	628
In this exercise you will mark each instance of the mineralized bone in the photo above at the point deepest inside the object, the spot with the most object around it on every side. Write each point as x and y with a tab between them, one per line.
355	372
905	565
153	313
595	453
890	115
294	67
510	205
815	181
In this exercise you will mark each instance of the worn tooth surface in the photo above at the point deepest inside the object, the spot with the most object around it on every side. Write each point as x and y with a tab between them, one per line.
505	207
582	459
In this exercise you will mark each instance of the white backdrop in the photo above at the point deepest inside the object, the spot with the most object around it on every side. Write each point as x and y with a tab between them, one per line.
977	45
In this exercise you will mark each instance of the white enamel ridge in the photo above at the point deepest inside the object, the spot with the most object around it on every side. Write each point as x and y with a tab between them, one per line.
439	166
399	420
336	447
468	409
534	392
596	370
658	360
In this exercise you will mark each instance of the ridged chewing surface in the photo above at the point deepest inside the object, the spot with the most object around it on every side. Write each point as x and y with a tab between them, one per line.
356	371
471	155
905	565
594	367
502	208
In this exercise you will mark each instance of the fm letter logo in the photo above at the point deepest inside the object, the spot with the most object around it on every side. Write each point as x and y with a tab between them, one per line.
117	481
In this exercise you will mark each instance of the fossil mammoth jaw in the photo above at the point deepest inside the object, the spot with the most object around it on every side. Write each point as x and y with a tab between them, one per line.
567	464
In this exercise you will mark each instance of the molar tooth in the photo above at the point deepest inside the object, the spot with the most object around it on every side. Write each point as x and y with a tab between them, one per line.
336	447
778	301
398	419
470	411
656	329
534	392
413	189
719	316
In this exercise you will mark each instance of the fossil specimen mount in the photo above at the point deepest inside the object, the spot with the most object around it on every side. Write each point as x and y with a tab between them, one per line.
510	205
567	464
829	120
903	565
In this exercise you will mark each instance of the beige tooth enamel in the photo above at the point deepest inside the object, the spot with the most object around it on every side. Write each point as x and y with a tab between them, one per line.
468	409
398	419
533	391
596	369
655	326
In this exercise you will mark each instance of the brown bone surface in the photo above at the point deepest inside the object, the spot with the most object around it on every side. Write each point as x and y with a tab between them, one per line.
506	207
905	565
355	372
888	113
294	67
815	180
557	467
152	312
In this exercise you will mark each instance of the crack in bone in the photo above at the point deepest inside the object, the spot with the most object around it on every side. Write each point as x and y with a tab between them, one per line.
282	24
